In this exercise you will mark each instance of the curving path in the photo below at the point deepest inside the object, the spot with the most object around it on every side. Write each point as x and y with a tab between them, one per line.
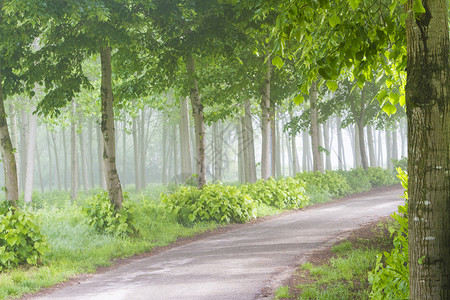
246	263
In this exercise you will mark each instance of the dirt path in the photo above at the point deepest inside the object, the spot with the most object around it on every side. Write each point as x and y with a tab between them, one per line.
246	263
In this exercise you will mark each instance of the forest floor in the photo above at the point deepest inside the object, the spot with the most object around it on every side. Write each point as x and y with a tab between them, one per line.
239	261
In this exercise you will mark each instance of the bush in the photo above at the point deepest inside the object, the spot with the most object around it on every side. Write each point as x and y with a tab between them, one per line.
357	179
331	182
401	163
391	281
104	218
20	238
380	177
215	202
286	193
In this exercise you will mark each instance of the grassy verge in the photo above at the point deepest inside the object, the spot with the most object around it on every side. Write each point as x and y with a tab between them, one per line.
340	272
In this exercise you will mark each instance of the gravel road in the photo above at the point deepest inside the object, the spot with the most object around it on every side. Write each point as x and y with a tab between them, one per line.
246	263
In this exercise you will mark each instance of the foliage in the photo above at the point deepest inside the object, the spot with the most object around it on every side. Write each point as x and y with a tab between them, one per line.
380	177
401	163
215	202
104	218
20	238
286	193
357	179
331	182
391	279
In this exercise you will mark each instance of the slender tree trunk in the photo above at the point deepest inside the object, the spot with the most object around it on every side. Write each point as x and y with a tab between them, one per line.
307	161
289	152
394	144
38	160
388	149
327	142
240	154
23	150
295	162
199	122
218	145
380	149
91	154
137	177
164	152
175	150
428	112
249	143
124	148
371	145
73	154
84	168
278	150
66	185
142	150
341	153
55	151
273	140
185	141
358	117
7	151
31	151
315	136
265	124
107	126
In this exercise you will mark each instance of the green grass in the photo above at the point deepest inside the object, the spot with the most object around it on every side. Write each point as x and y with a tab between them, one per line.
343	276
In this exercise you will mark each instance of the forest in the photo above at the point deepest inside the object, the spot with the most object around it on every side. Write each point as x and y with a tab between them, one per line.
128	124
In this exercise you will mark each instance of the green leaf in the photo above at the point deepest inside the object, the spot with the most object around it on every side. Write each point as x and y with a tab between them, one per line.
332	85
299	99
418	7
334	20
354	3
394	97
389	108
277	62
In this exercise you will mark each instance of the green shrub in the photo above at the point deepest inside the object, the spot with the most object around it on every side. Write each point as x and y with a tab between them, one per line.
215	202
20	238
391	279
286	193
331	182
357	179
104	218
380	177
401	163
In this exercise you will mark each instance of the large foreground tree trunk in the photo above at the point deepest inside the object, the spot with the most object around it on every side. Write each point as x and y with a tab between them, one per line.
107	126
199	122
428	112
9	161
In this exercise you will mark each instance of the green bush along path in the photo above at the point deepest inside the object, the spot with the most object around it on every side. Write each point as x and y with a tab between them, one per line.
246	263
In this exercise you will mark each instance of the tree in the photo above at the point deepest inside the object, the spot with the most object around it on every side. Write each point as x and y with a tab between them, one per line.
428	112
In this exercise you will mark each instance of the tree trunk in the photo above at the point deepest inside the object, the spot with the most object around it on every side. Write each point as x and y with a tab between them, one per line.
295	163
428	112
358	117
142	150
66	185
380	149
31	151
273	140
278	148
240	154
124	148
199	122
164	151
341	152
218	145
107	127
55	151
249	144
394	144
315	136
137	177
23	150
370	143
38	160
388	149
327	143
73	154
185	141
265	124
306	151
7	151
175	150
84	168
91	154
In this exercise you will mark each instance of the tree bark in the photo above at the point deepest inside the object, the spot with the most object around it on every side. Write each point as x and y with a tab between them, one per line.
164	170
84	167
185	141
388	149
358	117
39	167
199	122
306	151
295	163
7	151
124	148
218	145
394	144
273	141
240	154
107	126
428	112
265	123
65	159
327	143
315	137
142	150
137	177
